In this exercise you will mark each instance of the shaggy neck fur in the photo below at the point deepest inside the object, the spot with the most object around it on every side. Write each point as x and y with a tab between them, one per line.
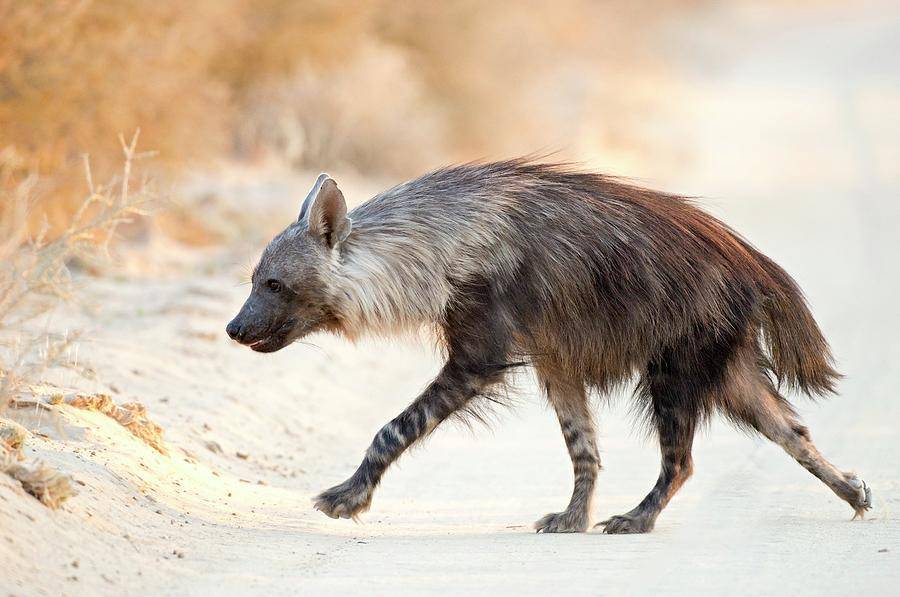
384	284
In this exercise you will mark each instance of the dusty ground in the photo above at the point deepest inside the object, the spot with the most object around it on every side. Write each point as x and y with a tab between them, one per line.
252	437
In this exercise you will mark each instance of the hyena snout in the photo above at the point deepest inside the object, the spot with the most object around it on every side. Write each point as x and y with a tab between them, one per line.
246	327
261	329
235	330
246	331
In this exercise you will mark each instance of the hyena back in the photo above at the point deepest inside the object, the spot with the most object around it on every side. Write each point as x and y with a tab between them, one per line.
591	281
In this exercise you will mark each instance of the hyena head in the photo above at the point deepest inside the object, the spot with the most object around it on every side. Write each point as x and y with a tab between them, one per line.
293	284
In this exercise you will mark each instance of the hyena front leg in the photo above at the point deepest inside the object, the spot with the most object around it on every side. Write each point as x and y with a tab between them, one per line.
571	405
453	388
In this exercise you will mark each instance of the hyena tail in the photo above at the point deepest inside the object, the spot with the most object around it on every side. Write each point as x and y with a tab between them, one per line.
800	355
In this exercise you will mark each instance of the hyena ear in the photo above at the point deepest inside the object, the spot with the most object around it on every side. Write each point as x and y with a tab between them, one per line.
326	211
304	209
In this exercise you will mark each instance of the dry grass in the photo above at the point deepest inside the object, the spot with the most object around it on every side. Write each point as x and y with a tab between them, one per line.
75	72
35	273
132	416
48	485
385	88
12	439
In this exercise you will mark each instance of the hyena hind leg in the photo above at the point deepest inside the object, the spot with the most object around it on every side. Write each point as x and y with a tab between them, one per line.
569	399
773	417
675	423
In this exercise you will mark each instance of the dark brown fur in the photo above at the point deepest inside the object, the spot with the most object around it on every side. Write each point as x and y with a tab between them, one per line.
593	282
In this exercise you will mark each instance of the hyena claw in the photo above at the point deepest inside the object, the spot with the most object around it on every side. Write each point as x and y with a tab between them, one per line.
626	524
562	522
346	500
864	501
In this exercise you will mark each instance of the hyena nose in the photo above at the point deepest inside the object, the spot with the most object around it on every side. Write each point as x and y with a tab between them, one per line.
233	329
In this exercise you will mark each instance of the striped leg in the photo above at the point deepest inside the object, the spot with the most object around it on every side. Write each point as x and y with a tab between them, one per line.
771	415
449	392
675	424
571	405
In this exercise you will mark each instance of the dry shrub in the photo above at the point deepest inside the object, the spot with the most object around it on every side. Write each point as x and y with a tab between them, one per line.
314	83
34	276
132	416
35	272
12	439
574	75
48	485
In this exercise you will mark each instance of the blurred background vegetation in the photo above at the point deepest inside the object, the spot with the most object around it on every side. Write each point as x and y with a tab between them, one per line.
380	88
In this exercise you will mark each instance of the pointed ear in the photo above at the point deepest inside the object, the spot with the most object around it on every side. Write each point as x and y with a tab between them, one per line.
304	209
327	212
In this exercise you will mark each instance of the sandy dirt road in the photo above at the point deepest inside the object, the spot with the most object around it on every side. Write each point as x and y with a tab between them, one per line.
252	438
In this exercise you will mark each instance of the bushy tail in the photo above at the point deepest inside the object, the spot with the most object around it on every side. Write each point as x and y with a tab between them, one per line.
800	355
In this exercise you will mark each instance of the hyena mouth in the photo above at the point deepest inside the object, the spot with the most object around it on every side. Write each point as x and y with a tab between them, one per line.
276	340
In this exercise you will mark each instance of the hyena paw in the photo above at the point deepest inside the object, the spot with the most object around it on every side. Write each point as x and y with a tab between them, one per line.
862	501
626	523
563	522
347	500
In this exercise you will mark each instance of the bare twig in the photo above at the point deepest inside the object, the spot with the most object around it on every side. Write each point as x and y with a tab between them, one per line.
34	272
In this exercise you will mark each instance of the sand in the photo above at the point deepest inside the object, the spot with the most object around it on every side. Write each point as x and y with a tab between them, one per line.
250	438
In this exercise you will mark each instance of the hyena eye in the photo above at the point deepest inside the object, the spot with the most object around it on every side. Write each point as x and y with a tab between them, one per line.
274	285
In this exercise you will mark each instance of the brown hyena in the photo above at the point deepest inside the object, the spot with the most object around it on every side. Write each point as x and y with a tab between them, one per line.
591	281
